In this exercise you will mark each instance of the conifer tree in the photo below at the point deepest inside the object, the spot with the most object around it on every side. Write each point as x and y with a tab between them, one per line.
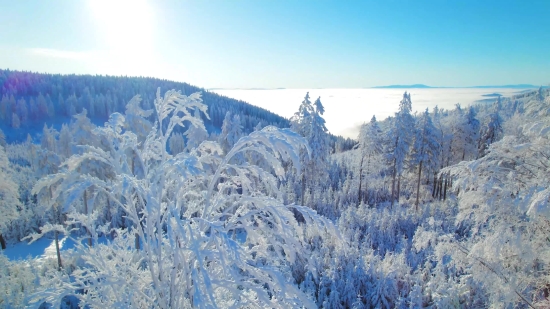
401	138
370	145
492	131
9	195
425	149
309	123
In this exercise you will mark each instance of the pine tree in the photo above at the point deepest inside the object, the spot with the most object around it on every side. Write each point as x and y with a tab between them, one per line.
492	131
4	108
472	135
195	134
2	139
401	138
48	140
42	106
370	145
176	144
425	149
65	141
232	130
9	195
15	122
309	123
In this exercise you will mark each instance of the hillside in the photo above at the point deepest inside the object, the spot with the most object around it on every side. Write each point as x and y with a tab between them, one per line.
53	99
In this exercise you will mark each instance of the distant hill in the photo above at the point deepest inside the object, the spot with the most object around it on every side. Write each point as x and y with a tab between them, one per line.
213	89
405	86
518	86
515	86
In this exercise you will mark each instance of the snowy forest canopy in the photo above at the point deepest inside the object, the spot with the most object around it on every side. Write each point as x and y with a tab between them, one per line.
446	208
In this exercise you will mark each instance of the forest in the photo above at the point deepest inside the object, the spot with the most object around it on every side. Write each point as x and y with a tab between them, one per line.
179	198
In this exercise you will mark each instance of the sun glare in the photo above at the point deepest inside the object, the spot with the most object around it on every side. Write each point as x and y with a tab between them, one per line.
123	22
125	30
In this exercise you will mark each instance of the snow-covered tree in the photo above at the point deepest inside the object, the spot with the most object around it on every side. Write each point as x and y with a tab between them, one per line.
9	195
425	150
2	139
65	142
503	197
472	126
309	123
82	128
492	131
136	118
213	232
15	122
232	130
48	139
370	145
196	135
176	143
22	111
400	139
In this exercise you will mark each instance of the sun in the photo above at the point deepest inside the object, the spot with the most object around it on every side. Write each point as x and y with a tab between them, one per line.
123	22
126	31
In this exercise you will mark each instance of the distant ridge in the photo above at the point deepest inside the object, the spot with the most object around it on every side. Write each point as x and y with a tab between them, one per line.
519	86
406	86
514	86
213	89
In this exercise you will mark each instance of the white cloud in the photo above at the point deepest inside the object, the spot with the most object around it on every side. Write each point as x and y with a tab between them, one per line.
58	53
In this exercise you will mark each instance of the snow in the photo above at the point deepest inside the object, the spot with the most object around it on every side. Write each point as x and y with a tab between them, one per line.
40	249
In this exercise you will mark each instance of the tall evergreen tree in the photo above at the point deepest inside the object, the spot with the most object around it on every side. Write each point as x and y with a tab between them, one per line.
232	130
370	145
492	131
472	135
309	123
195	134
425	149
9	195
401	138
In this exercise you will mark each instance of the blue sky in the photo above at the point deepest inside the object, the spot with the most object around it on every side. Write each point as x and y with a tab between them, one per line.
291	44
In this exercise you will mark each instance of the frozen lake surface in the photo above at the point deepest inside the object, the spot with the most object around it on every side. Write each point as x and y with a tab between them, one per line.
347	109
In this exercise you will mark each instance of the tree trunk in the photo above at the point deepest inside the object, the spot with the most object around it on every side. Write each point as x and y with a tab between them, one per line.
360	181
303	188
2	242
56	233
449	155
445	189
418	184
398	188
136	242
393	183
438	190
86	213
434	184
367	182
59	265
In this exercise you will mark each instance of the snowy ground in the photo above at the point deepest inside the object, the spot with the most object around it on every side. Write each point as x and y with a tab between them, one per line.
42	248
